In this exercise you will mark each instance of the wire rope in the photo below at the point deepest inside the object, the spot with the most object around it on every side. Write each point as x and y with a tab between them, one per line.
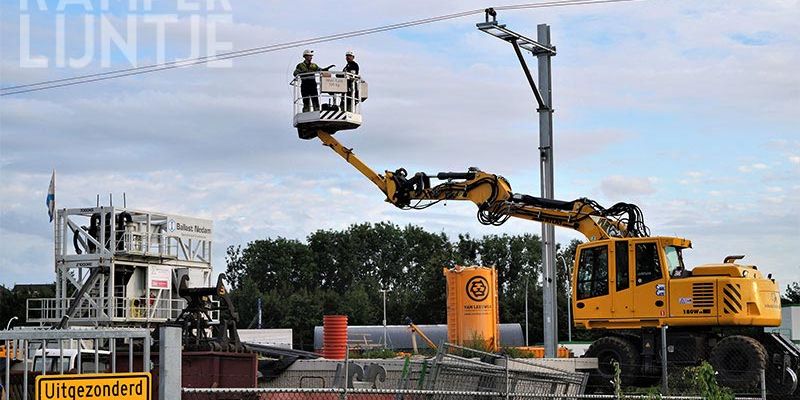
120	73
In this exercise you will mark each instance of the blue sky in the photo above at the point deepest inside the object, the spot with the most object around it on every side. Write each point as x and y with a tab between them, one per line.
688	109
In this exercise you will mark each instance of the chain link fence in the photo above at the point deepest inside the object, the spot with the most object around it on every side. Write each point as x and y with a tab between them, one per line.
34	352
738	378
636	379
462	368
399	394
739	365
463	372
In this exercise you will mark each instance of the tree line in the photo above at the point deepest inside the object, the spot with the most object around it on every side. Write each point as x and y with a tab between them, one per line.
342	272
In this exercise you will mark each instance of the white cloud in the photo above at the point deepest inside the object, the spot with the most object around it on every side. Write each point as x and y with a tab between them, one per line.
752	167
774	199
618	186
794	159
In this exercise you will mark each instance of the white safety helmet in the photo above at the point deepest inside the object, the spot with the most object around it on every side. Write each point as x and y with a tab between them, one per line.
350	53
308	52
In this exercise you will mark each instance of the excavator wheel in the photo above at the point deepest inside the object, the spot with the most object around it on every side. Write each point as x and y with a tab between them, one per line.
738	361
612	349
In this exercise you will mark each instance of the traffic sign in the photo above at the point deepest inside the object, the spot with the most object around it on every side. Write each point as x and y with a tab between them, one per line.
119	386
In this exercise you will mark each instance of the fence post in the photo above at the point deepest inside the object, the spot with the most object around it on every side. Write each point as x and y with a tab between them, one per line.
169	362
6	383
346	370
146	354
763	385
664	374
25	368
508	378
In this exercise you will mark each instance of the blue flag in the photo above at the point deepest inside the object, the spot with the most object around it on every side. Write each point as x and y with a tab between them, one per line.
51	197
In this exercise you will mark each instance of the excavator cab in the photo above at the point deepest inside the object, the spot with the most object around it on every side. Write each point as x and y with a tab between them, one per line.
632	286
328	101
631	283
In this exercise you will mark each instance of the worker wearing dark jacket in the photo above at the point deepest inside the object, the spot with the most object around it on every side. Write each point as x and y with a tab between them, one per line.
352	66
351	99
308	84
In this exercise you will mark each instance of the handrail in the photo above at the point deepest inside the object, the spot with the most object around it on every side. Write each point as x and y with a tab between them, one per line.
342	74
95	308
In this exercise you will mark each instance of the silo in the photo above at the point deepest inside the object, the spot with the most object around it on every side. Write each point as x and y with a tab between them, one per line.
472	306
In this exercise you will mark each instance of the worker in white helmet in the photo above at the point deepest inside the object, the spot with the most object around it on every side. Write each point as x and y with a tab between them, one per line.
308	83
351	66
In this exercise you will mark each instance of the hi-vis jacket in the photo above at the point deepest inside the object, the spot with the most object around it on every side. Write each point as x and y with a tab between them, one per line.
303	68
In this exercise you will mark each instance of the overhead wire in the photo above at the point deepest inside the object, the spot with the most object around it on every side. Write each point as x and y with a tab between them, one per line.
240	53
120	73
298	43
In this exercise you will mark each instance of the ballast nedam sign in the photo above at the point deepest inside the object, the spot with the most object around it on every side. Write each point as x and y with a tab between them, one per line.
122	386
189	228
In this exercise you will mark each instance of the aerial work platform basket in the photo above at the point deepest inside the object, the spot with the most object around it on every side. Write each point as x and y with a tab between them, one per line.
328	101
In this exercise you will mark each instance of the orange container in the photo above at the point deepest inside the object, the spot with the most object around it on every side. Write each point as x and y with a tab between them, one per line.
334	337
472	306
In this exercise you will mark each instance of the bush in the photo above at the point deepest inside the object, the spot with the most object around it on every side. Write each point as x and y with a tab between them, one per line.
373	353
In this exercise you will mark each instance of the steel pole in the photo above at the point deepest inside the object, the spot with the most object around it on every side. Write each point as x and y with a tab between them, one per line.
527	343
385	329
569	298
569	314
550	313
259	313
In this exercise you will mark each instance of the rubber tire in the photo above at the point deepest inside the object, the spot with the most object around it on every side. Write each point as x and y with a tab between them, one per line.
608	349
738	361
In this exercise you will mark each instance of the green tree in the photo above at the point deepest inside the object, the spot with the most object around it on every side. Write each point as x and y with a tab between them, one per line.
13	303
517	259
245	300
273	263
792	294
10	306
466	250
342	271
422	289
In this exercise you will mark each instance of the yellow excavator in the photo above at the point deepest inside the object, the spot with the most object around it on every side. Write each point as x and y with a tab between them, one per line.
628	283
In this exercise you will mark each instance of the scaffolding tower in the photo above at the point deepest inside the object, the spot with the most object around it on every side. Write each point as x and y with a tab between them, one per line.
121	267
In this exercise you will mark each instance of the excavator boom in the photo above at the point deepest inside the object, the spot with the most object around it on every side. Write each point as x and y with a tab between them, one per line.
495	200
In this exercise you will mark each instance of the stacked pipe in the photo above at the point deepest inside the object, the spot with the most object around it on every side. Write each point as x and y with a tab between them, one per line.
334	337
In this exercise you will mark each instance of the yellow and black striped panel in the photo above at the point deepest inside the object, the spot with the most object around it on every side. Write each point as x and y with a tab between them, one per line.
732	298
333	114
